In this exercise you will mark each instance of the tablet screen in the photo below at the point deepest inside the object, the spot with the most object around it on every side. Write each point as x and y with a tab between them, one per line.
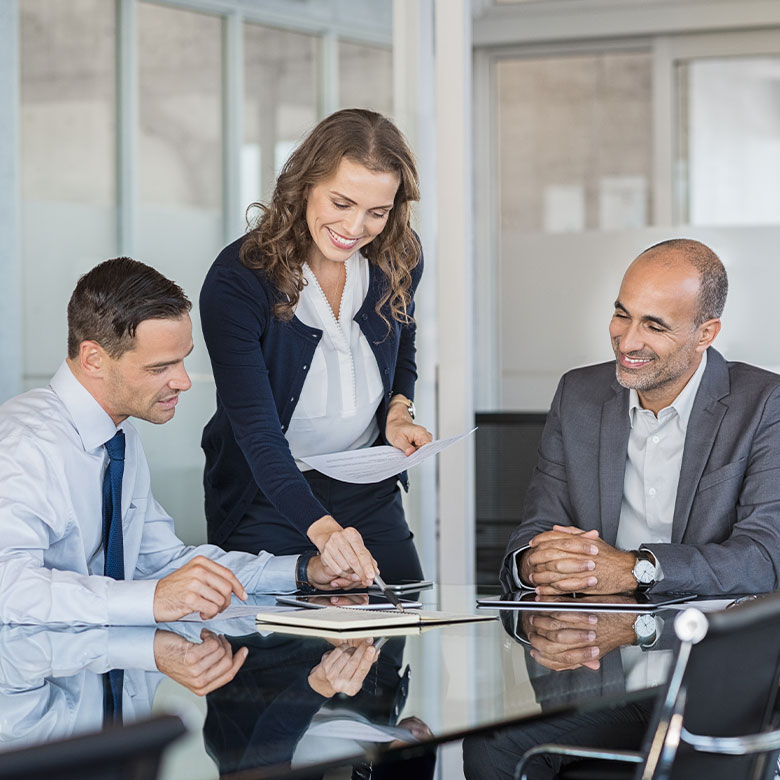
639	602
351	600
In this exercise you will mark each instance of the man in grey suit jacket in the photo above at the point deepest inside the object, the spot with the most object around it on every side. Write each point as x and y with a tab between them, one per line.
659	470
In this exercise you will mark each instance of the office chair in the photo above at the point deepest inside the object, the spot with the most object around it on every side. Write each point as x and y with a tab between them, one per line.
713	717
123	753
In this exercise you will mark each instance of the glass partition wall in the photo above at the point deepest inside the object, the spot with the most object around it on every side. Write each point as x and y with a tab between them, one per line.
141	124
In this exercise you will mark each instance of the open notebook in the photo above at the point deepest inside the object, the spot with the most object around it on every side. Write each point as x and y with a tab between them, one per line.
344	619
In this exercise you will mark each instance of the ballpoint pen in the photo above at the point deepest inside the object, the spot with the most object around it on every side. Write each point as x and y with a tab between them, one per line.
391	597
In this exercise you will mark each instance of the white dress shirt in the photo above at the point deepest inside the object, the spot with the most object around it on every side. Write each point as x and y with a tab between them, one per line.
52	462
337	407
653	461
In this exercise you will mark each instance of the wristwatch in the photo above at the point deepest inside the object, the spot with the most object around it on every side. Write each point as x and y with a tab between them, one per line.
302	573
644	570
646	630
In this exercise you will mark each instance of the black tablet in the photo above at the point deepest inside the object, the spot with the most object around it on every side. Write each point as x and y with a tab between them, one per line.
528	599
346	599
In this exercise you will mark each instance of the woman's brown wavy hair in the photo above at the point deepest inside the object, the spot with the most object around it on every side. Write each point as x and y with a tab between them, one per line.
279	241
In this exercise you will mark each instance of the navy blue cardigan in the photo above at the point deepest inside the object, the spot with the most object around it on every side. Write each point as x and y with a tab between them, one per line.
259	364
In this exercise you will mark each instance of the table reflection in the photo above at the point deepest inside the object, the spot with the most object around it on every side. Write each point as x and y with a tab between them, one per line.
274	701
301	700
51	680
575	656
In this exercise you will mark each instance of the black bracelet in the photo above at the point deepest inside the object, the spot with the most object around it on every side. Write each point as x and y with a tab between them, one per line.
302	573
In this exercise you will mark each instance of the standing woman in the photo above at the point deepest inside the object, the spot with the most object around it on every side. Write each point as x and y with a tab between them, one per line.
308	320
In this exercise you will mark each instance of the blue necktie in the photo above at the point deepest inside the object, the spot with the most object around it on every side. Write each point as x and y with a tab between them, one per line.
113	681
112	508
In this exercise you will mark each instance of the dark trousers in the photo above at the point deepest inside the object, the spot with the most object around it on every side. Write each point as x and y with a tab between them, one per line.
495	755
376	511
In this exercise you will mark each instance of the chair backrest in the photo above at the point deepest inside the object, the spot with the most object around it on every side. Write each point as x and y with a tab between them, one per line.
723	684
130	752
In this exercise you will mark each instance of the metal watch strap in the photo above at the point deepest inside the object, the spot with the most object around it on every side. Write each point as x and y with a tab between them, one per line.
302	573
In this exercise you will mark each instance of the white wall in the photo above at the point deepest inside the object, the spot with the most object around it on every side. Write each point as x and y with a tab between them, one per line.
10	265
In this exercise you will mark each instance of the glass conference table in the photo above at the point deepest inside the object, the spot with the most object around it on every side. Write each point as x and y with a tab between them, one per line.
274	717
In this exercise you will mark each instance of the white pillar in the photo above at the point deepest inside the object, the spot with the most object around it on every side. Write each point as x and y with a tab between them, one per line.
10	196
413	98
329	74
456	288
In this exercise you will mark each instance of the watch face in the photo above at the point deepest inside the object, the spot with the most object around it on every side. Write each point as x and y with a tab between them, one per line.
644	626
644	571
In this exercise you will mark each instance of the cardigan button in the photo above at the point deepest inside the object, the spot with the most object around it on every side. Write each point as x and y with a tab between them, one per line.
387	371
365	316
305	367
292	399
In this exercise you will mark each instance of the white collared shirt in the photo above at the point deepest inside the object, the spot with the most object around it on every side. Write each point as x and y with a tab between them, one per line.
52	462
653	461
337	407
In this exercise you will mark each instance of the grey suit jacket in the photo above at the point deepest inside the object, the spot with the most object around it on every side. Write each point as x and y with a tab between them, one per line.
726	524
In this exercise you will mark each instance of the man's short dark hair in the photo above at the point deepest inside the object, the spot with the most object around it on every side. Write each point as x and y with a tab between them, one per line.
111	301
713	279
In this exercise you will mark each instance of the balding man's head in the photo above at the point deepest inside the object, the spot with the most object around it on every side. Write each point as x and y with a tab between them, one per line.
667	314
714	284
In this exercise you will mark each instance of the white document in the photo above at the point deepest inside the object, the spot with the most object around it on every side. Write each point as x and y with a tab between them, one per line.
373	464
236	611
350	728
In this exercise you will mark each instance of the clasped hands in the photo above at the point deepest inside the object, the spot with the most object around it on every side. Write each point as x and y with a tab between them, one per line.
569	560
570	639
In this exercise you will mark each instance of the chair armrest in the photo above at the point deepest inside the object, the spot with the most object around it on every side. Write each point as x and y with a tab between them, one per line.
747	744
577	752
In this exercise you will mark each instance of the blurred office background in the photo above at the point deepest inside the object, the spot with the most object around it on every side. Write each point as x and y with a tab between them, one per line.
556	140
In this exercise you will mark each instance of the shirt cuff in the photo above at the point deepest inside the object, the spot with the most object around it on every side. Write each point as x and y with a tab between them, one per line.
278	575
515	569
131	648
659	572
131	602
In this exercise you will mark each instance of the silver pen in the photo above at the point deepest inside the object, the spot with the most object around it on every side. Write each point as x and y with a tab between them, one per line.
389	595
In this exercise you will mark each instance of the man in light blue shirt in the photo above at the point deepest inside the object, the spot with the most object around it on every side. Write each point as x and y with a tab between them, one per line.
129	331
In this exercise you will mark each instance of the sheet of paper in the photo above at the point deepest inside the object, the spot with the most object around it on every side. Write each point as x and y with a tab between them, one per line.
373	464
236	611
349	728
